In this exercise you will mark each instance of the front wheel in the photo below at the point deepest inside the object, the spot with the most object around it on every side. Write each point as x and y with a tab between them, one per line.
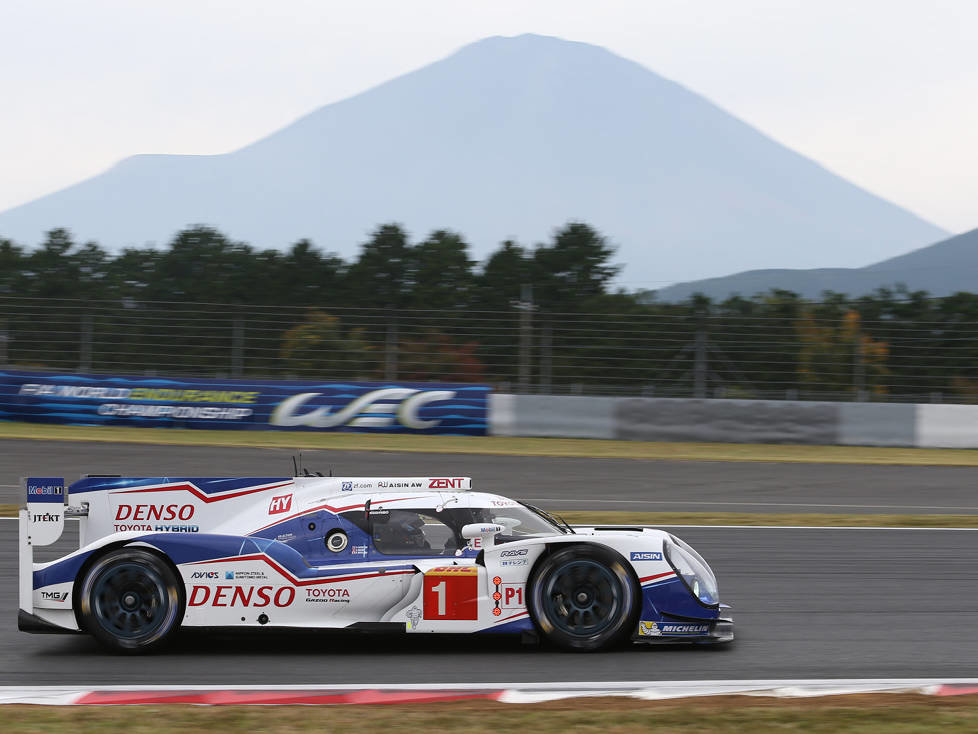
584	598
130	600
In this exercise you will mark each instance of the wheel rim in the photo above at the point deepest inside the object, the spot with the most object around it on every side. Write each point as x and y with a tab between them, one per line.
130	600
582	598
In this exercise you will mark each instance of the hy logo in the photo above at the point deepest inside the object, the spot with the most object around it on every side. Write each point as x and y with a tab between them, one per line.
280	504
402	403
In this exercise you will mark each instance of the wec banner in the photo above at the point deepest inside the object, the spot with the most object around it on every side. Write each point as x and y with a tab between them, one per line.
222	404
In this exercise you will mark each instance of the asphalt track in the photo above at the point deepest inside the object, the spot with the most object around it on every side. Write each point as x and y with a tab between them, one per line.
808	603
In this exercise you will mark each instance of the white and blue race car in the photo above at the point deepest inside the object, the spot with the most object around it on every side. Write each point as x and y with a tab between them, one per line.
412	554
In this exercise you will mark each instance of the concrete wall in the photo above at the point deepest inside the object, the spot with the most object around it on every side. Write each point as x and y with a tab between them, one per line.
552	415
740	421
735	421
947	426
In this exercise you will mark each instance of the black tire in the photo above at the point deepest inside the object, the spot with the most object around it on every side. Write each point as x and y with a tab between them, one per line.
584	598
130	600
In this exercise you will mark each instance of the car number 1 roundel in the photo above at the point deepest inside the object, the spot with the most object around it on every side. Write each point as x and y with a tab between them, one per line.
451	592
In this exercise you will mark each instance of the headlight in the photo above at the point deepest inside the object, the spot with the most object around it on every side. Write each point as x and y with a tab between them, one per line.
694	572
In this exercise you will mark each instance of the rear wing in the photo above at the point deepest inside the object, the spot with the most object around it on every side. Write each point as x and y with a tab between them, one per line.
41	521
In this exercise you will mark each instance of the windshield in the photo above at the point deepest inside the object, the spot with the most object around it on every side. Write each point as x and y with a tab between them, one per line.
406	531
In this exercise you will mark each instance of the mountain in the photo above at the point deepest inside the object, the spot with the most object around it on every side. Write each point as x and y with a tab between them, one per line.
940	269
506	138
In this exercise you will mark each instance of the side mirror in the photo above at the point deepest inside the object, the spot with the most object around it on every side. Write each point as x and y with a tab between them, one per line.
481	535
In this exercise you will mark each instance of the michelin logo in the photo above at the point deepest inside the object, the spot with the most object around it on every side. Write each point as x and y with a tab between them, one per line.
658	629
402	403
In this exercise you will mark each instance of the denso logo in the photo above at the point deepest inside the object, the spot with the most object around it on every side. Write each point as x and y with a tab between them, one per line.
446	483
154	512
241	596
279	505
375	409
646	556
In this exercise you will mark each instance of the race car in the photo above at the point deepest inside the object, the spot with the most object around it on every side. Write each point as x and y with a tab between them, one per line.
410	554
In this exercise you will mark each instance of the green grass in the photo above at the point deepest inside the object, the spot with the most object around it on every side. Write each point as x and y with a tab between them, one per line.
857	714
596	448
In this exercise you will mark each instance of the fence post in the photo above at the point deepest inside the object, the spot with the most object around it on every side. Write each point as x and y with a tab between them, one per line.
237	345
4	340
858	371
546	357
525	305
700	364
85	352
390	349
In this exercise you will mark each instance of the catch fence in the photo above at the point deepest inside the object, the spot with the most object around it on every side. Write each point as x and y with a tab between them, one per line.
654	353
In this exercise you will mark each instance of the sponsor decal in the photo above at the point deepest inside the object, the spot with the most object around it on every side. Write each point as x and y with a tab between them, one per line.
46	517
90	392
684	629
514	552
359	550
513	562
374	409
332	594
280	504
45	488
346	487
154	512
208	575
230	575
121	410
646	556
142	527
278	405
241	596
446	483
648	629
284	536
383	484
503	503
54	595
414	616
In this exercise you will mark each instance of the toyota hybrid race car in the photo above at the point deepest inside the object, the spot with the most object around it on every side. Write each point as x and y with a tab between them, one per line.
417	554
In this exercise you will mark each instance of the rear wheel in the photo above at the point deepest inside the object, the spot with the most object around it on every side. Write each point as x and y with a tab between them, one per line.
584	598
130	600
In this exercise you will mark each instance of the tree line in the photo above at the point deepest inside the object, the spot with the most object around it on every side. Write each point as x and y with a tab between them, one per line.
428	311
202	265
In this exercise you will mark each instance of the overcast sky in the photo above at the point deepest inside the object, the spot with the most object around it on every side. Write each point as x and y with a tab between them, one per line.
882	92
